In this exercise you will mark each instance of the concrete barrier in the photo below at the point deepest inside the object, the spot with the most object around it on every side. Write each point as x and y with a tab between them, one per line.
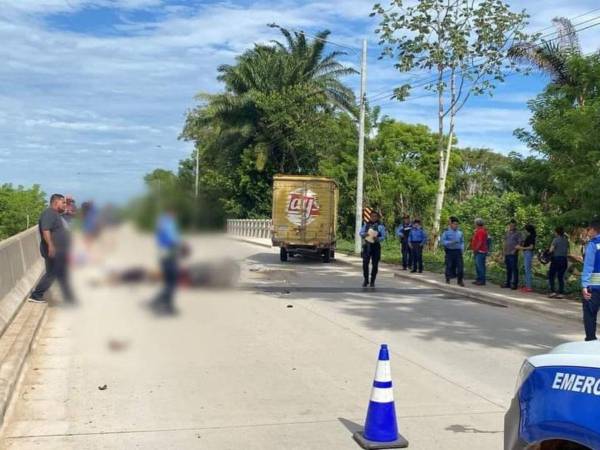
20	267
251	228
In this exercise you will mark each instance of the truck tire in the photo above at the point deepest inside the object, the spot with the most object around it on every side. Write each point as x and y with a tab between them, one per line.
326	255
283	254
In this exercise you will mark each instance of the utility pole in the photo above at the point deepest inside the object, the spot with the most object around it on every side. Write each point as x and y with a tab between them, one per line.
361	149
197	171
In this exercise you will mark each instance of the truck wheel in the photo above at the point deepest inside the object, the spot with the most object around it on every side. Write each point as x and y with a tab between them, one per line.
283	254
326	255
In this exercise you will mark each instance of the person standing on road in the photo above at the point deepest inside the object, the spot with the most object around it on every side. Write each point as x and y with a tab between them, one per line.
511	256
417	239
590	281
54	248
373	234
559	249
480	247
528	247
402	232
453	241
168	241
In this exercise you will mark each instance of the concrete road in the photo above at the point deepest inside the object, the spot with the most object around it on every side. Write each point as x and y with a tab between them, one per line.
284	362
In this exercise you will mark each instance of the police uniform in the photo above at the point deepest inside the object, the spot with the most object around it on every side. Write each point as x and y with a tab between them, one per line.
371	252
417	239
590	280
454	245
403	232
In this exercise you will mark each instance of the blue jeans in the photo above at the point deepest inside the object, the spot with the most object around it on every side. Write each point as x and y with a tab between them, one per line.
480	266
528	260
512	270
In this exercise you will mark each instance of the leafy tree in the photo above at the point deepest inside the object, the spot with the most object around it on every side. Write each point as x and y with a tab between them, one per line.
477	173
464	43
566	133
277	113
19	207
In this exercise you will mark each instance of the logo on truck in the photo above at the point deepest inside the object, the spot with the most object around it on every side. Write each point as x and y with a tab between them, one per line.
302	207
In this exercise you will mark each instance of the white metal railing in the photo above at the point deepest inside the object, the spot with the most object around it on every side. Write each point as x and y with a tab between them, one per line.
254	228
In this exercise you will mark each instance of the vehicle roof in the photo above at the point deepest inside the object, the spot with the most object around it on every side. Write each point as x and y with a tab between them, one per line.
575	354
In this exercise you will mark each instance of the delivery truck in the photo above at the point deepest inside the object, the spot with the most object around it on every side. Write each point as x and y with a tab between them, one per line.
305	216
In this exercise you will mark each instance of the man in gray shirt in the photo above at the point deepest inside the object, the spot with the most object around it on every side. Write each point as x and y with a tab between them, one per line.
511	255
54	248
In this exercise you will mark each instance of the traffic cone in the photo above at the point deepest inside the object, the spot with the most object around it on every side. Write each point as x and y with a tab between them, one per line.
381	428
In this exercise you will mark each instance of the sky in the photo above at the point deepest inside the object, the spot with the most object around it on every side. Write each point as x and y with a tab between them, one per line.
93	93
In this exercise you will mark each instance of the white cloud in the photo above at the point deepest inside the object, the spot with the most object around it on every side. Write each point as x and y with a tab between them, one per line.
71	96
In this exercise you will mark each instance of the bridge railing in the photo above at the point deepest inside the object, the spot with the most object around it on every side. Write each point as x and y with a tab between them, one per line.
20	267
253	228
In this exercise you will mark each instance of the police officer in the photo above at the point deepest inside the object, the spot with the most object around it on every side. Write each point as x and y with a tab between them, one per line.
168	241
453	241
403	232
373	233
590	281
417	238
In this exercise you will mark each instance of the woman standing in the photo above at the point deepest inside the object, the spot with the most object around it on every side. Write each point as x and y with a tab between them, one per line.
528	248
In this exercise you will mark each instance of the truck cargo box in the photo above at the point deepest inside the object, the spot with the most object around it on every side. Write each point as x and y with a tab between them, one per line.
304	215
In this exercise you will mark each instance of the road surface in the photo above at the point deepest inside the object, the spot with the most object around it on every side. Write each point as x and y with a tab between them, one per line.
286	361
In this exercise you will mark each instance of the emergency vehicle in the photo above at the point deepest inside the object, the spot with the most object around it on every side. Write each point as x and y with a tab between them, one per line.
557	403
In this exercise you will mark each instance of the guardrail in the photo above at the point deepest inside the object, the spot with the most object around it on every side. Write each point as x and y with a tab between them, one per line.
254	228
20	267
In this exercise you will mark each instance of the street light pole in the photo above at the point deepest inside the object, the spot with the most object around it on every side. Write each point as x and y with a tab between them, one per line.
361	149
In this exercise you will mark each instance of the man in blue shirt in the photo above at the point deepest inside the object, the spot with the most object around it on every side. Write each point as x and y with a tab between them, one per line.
590	281
453	241
167	239
402	233
373	234
416	240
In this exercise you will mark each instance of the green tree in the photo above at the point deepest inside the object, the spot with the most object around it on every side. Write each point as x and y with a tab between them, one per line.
464	43
277	114
566	133
19	207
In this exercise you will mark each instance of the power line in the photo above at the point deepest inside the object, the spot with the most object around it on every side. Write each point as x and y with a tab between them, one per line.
384	94
423	83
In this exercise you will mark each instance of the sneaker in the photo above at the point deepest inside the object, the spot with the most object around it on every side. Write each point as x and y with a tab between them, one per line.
365	283
559	296
514	288
505	286
447	280
413	271
461	283
372	285
527	290
37	300
552	295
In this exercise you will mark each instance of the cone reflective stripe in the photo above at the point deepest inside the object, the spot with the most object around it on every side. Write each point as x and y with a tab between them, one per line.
381	427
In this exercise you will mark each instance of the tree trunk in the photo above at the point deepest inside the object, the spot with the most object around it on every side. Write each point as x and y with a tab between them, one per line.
439	199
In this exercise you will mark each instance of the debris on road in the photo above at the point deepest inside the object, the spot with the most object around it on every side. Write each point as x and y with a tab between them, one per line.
103	387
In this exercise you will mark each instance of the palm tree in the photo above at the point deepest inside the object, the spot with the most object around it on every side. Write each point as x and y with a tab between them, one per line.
277	69
552	57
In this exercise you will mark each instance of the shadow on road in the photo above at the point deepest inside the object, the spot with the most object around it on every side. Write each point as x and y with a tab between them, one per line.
402	305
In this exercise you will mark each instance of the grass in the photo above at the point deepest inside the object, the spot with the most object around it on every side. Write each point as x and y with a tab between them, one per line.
496	274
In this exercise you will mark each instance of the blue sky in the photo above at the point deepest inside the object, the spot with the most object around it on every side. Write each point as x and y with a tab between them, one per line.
93	93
